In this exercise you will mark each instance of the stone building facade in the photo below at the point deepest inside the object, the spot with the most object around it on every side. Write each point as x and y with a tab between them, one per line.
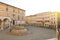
45	19
15	15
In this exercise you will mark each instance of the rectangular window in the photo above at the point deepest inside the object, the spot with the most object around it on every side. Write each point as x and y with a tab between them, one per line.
22	17
6	9
18	17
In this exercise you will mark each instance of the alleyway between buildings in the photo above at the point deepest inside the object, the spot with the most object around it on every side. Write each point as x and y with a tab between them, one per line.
38	33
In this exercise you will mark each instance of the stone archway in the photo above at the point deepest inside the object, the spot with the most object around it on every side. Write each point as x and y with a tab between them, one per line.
6	22
6	18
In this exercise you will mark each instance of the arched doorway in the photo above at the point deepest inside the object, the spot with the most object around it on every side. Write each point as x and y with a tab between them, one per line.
6	23
13	22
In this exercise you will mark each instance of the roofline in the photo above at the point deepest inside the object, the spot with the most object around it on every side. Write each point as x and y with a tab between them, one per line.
11	6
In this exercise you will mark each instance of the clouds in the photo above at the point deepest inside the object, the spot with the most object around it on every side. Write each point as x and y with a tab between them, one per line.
35	6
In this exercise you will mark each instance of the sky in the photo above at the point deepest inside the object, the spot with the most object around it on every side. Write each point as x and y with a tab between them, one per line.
35	6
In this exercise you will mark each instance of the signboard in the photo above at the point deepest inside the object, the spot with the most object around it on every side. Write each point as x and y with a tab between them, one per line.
20	22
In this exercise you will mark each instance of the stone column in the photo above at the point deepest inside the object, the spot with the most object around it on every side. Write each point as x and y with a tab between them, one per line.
2	26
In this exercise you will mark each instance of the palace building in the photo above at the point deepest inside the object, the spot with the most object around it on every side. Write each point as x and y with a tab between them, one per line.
45	19
10	15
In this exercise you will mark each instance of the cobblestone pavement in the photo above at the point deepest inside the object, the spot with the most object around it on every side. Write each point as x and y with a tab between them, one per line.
38	33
